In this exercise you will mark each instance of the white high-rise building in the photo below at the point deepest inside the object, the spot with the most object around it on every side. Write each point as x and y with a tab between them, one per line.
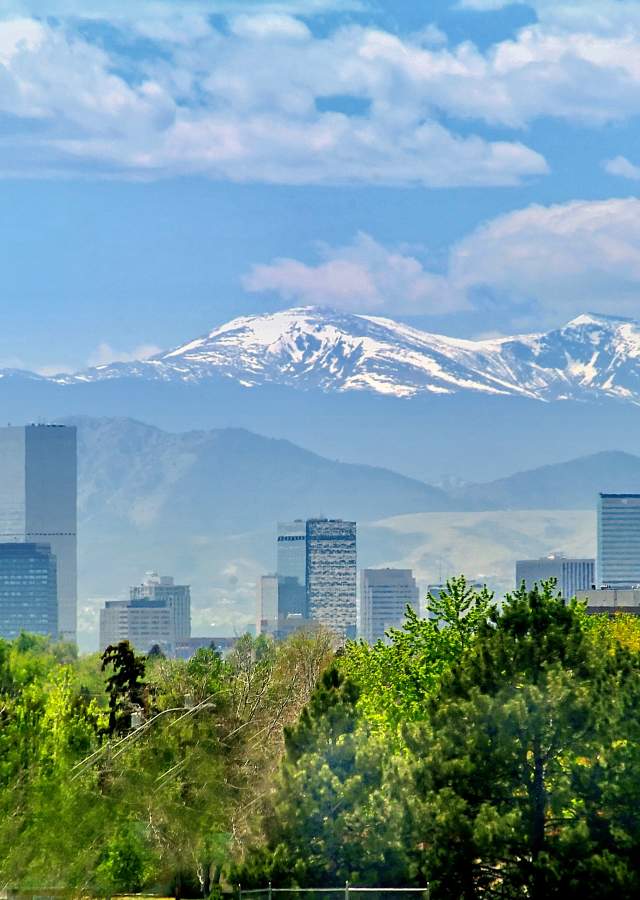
177	597
384	597
38	502
157	612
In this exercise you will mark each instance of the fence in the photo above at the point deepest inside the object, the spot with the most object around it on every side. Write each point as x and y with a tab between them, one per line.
348	892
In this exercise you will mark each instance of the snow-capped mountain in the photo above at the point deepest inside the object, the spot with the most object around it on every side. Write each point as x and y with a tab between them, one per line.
591	357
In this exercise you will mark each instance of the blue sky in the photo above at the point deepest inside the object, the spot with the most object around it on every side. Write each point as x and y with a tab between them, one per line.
471	167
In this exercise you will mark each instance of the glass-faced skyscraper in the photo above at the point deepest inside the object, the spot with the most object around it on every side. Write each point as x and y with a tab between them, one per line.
331	574
618	540
38	500
291	568
28	590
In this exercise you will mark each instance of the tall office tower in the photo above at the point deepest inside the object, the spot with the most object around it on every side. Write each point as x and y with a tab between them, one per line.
28	590
38	500
618	540
291	568
267	605
571	574
176	597
331	574
384	597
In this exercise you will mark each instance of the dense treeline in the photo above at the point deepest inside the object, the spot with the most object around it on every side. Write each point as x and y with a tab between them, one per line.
491	753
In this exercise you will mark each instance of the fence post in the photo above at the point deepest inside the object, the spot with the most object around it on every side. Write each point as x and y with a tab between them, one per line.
346	890
269	890
239	891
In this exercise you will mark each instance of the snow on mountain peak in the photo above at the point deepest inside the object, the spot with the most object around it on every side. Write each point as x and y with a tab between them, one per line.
312	347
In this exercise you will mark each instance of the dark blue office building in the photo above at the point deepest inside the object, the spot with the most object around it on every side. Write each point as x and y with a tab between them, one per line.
28	589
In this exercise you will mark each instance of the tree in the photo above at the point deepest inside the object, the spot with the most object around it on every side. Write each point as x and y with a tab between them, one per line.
329	820
506	783
124	686
397	678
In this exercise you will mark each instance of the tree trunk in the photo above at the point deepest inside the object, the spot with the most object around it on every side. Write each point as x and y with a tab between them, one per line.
538	796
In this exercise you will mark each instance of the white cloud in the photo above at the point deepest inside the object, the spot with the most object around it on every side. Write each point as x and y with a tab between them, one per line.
239	105
621	166
242	103
553	261
362	276
564	258
104	354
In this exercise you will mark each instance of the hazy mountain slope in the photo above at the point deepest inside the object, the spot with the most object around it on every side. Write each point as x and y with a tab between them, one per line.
570	485
227	480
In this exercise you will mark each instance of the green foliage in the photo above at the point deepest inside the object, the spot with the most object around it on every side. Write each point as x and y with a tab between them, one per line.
513	774
396	678
329	820
124	865
91	805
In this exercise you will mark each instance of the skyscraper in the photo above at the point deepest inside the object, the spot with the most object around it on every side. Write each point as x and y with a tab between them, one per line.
571	574
331	574
291	568
618	540
384	597
267	605
28	590
38	500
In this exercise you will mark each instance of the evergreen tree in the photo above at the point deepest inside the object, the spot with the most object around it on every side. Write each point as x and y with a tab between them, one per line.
505	790
124	686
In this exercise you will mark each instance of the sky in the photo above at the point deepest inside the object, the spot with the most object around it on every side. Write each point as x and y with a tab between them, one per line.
471	167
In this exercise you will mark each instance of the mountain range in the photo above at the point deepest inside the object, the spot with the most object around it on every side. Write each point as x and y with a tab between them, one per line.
364	389
590	357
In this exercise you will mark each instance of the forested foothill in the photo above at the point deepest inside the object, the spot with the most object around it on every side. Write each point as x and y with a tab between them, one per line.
487	752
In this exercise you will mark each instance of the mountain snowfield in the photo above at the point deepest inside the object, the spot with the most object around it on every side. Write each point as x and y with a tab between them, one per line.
591	357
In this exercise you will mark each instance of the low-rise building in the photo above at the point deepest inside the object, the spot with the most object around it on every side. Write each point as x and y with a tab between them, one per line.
158	612
612	600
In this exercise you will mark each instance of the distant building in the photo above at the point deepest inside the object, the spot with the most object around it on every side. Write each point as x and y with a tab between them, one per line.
618	540
291	568
38	500
28	590
331	574
384	597
185	649
571	574
267	604
144	623
612	600
158	612
176	596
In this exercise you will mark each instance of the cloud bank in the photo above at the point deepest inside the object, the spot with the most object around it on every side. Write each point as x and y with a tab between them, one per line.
557	261
263	97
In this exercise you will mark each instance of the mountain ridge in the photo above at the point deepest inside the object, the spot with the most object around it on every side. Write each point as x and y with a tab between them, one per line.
591	357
